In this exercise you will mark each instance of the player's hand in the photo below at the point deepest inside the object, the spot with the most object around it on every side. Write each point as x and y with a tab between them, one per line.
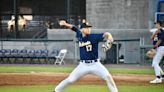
62	22
110	40
108	37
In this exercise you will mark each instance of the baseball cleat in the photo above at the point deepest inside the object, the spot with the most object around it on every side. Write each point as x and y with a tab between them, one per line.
157	80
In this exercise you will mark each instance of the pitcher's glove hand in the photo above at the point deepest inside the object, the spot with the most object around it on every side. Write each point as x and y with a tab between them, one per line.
151	53
107	45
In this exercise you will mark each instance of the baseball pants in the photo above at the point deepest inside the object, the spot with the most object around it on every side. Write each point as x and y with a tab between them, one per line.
83	69
156	60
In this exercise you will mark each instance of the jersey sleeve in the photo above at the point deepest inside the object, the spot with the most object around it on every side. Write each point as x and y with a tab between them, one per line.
75	28
78	33
98	37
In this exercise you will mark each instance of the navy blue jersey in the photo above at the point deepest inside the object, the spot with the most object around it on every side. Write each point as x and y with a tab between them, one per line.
88	45
161	37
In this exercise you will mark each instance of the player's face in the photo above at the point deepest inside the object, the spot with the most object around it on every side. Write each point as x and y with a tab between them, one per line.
86	31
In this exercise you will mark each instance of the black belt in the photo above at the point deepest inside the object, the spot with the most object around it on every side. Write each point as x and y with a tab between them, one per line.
89	61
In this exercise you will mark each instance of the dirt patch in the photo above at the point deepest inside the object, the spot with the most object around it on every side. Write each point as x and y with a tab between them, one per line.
53	78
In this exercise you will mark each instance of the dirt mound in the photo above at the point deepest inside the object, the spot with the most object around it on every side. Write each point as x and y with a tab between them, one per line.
53	78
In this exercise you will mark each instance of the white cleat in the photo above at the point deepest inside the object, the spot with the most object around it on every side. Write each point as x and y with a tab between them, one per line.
155	81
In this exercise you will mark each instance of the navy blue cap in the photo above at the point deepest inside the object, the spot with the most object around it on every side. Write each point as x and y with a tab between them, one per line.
84	25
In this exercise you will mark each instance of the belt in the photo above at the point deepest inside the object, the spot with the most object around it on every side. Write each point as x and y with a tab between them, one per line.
89	61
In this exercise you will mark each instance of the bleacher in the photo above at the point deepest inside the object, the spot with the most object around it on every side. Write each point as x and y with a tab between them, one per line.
30	56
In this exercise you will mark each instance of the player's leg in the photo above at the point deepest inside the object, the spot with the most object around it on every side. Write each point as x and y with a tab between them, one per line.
162	73
78	72
102	72
155	64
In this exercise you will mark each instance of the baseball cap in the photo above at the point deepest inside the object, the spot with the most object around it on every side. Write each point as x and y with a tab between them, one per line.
84	25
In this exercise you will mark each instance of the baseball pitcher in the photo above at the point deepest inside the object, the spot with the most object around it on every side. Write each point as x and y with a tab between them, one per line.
158	42
89	61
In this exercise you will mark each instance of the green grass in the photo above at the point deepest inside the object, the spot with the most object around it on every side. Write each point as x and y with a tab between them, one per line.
26	69
59	69
150	88
83	88
131	71
36	88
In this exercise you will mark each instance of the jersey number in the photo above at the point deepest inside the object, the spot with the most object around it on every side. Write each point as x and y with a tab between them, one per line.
89	48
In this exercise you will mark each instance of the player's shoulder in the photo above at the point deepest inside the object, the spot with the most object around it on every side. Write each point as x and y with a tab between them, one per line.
96	34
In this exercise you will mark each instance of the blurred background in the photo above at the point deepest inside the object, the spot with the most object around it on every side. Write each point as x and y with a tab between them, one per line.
32	25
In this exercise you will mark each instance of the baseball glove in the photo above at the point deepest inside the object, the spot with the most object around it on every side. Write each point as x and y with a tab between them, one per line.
151	53
106	46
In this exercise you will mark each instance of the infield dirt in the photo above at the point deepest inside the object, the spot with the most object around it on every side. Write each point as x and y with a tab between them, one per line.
54	78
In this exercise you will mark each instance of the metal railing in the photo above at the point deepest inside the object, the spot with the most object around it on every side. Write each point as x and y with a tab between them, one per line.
129	47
